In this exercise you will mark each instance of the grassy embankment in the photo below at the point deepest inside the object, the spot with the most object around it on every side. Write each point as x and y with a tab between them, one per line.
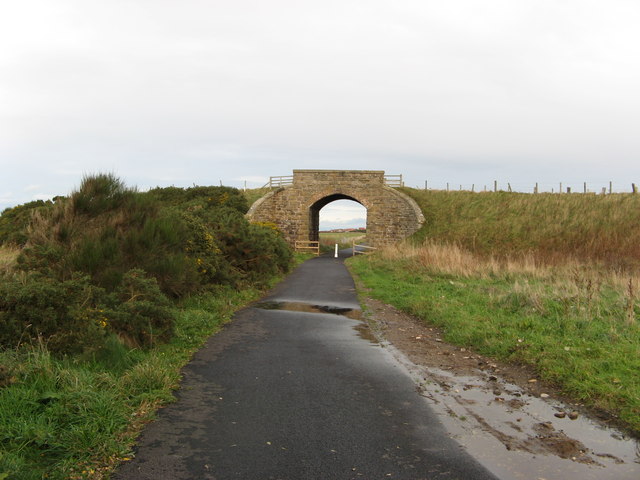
551	281
106	298
77	418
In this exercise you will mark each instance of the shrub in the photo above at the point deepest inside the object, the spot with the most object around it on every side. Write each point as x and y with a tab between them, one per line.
254	252
136	249
140	314
206	254
202	197
100	193
65	315
14	221
103	230
272	254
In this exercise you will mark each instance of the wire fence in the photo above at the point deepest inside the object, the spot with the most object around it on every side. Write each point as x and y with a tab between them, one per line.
538	187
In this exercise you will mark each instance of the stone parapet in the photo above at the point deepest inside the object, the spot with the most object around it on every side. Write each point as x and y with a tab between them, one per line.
295	209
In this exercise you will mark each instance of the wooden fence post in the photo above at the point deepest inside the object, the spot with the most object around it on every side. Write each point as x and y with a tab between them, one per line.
495	185
634	189
585	187
610	188
535	189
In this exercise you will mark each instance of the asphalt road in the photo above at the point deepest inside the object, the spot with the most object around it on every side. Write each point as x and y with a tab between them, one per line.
282	394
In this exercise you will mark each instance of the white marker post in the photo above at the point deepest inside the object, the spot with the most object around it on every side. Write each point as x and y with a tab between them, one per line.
336	255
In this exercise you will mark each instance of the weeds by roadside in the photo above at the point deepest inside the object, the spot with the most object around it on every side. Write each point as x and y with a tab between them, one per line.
577	324
77	418
109	295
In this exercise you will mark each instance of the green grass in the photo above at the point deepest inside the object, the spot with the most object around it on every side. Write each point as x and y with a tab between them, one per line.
77	418
583	336
600	228
253	194
93	266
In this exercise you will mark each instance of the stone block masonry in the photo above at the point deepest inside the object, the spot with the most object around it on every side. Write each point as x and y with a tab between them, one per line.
295	209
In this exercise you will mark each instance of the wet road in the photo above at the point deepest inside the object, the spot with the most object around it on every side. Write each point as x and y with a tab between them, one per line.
295	394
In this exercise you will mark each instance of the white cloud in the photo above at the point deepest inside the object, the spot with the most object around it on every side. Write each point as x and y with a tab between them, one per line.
343	214
163	92
253	179
43	196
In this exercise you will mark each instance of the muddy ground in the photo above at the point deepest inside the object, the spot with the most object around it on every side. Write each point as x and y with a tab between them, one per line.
497	409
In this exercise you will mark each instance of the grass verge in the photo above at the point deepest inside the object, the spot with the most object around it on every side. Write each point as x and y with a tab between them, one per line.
78	418
578	327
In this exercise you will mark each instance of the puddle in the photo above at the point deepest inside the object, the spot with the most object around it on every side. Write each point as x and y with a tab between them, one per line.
513	433
365	333
351	313
362	328
520	436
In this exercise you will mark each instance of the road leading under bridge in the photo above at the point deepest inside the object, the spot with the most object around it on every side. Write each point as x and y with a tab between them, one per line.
296	388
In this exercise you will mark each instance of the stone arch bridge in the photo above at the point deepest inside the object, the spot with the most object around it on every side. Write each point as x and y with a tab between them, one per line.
295	203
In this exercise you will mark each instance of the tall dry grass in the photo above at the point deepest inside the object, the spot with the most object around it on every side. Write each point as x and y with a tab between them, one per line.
8	257
554	228
582	284
344	239
577	323
452	259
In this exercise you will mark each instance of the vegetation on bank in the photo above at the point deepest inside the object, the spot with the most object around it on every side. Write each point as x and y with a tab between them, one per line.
77	417
253	194
106	295
600	229
551	281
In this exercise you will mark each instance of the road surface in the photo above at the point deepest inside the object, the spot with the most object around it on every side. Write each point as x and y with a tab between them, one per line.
287	391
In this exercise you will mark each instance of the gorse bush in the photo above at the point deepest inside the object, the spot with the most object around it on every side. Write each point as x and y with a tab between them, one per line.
67	314
74	316
254	252
101	193
139	312
134	251
107	293
201	197
14	222
104	230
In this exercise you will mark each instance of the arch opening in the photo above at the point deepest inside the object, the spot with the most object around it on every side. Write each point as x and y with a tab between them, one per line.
336	212
295	207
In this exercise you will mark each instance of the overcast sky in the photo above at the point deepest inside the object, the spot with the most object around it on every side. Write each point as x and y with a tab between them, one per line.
168	92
